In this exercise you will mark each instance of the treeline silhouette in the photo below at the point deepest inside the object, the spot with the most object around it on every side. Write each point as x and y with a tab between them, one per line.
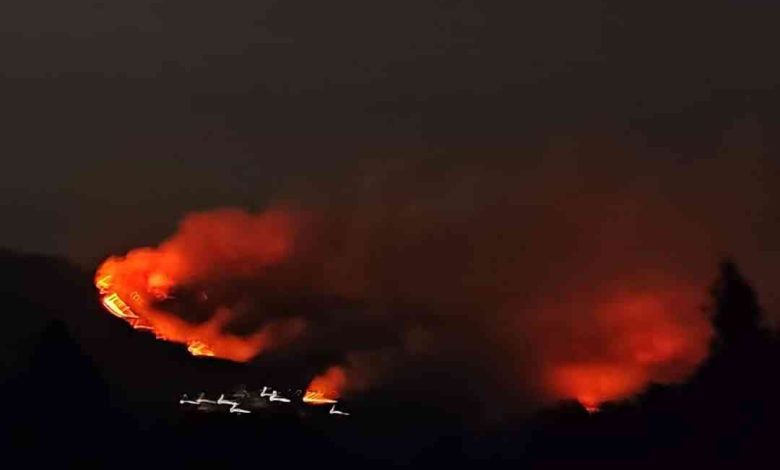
728	410
71	394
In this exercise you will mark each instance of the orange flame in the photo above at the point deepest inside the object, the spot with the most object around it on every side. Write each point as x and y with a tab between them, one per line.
226	240
196	348
327	387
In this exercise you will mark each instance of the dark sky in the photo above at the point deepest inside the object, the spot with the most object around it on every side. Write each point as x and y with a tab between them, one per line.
118	117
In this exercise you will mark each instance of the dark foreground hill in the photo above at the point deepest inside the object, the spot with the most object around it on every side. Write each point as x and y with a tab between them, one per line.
79	387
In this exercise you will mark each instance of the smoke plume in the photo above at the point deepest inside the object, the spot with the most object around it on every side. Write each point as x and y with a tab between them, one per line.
369	305
575	274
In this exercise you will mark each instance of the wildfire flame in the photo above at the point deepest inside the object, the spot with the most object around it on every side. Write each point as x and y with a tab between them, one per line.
133	286
314	397
327	387
196	348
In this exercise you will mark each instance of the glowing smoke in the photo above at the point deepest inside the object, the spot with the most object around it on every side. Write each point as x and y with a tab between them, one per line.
549	292
224	244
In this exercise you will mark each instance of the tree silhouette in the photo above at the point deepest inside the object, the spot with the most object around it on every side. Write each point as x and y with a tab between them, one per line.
735	393
736	314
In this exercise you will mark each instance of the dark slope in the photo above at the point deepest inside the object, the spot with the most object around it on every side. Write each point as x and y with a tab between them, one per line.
81	387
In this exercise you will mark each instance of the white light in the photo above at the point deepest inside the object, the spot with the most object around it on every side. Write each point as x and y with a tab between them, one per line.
221	401
276	397
334	411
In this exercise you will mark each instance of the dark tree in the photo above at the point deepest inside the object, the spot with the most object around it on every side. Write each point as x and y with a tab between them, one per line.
736	315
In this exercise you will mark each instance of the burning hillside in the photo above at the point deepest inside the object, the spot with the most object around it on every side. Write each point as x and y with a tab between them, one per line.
137	286
241	286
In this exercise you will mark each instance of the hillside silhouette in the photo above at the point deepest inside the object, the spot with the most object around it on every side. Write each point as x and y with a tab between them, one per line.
79	388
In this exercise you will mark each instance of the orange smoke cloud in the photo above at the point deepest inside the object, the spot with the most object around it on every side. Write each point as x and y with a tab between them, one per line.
621	344
412	296
227	244
222	240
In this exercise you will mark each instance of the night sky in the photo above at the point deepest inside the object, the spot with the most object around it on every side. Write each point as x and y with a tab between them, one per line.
120	117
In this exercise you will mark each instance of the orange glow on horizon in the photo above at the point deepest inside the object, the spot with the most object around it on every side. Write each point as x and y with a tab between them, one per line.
594	384
637	337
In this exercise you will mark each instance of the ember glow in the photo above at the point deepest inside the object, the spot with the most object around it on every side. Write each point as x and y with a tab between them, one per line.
232	243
